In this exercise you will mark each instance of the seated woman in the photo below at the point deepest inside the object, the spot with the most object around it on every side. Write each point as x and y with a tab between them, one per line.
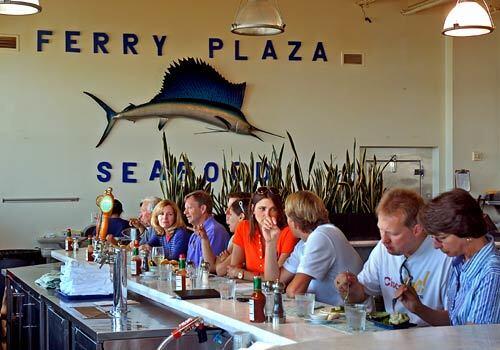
456	222
248	242
170	230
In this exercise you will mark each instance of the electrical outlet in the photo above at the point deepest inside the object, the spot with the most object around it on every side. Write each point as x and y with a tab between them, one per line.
476	156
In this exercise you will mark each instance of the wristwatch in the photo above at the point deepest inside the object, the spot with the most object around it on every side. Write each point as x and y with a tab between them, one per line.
240	275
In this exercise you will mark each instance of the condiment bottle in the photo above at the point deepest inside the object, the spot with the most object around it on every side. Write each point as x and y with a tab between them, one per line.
180	275
268	291
145	263
205	272
90	250
135	261
257	302
278	311
68	242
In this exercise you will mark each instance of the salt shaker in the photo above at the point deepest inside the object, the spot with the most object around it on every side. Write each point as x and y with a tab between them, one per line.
268	292
205	271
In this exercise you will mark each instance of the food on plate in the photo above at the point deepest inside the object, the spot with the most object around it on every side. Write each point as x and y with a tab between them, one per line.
378	316
169	262
332	316
398	318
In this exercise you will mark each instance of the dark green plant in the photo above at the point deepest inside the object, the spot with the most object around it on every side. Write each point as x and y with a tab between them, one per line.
176	181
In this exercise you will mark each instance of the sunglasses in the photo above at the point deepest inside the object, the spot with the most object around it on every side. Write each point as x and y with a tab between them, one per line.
240	204
403	270
264	190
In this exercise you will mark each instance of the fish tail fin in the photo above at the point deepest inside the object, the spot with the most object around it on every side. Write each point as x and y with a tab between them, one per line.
110	113
265	132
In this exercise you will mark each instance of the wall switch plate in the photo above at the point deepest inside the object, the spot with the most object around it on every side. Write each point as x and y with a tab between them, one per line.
476	156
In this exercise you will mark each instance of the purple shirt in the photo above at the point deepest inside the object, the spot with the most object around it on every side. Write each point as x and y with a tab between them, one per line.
217	236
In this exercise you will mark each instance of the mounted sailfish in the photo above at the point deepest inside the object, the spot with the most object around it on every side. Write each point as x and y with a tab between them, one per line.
191	89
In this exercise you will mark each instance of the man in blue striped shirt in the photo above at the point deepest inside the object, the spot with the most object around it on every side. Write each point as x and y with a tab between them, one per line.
455	220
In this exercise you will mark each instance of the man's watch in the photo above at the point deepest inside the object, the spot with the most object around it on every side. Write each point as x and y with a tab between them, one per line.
240	275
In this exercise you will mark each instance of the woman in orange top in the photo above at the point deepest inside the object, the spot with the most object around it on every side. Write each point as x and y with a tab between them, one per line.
248	243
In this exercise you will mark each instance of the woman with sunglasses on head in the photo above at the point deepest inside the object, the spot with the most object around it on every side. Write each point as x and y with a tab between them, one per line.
247	258
170	230
456	222
235	213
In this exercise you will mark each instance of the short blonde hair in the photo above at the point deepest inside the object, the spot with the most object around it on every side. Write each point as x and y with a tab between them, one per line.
306	210
179	221
401	201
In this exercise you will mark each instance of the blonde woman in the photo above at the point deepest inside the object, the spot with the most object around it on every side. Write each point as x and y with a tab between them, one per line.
170	230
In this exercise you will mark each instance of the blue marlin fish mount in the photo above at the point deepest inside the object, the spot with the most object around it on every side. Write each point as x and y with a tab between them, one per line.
191	89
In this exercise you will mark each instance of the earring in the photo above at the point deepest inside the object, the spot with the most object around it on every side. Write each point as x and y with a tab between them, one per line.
468	239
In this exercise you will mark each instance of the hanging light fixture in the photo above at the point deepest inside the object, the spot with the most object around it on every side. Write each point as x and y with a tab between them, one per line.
18	7
468	18
258	17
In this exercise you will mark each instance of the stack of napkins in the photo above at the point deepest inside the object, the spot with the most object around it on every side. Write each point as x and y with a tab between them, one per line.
50	280
84	278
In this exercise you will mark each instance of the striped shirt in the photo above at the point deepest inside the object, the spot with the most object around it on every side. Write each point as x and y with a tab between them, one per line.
173	246
474	287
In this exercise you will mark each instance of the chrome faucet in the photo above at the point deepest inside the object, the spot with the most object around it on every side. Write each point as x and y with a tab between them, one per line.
117	259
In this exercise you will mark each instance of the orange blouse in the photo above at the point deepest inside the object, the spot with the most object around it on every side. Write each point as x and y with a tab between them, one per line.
254	249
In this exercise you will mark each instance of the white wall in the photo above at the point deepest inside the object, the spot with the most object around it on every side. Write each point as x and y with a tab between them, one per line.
49	128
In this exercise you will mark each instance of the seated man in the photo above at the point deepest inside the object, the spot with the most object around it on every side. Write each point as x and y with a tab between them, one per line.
143	223
404	254
116	224
198	210
322	252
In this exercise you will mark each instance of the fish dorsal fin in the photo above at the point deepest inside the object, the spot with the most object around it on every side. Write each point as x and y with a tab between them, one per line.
191	78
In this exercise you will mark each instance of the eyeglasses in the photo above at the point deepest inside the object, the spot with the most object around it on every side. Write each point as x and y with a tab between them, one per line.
403	270
264	190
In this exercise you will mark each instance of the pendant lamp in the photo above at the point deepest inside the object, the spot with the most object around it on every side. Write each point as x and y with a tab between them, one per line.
19	7
468	18
258	17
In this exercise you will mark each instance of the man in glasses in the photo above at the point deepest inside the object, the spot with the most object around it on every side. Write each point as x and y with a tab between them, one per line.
322	252
404	255
143	223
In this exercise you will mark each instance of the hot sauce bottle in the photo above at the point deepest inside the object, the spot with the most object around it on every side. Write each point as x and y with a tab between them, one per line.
90	250
135	261
68	242
257	302
180	276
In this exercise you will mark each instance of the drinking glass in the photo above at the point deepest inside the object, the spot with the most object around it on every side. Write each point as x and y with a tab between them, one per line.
157	255
355	315
305	304
165	272
227	289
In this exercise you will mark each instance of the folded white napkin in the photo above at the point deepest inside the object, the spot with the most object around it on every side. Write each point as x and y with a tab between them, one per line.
84	278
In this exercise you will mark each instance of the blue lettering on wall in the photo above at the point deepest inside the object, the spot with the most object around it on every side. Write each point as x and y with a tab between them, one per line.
260	173
40	38
213	45
127	172
160	42
215	176
269	51
293	54
70	41
103	171
237	55
100	41
156	171
129	42
319	52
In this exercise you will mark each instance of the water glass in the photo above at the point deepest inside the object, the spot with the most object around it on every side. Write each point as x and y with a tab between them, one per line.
355	315
165	272
227	289
241	340
305	304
